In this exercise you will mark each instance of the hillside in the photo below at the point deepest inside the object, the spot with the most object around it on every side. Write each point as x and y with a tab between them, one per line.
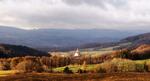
138	39
142	49
138	53
17	51
130	42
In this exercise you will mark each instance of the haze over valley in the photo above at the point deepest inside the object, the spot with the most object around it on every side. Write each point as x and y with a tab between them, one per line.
61	39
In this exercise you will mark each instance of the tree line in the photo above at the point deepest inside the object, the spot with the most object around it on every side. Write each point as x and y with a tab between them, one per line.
39	64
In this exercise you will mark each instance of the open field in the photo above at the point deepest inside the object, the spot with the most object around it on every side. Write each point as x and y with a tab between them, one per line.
78	77
75	68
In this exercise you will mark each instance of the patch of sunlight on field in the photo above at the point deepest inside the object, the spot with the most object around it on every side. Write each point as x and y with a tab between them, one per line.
142	61
75	68
96	53
7	72
100	51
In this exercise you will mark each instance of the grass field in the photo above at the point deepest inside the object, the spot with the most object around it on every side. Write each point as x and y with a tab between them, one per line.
75	68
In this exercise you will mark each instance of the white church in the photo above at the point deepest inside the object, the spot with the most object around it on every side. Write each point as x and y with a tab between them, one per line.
77	53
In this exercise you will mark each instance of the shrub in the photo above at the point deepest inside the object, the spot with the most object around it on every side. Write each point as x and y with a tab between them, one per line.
126	66
140	67
81	71
109	67
106	67
102	70
147	66
99	69
117	65
67	70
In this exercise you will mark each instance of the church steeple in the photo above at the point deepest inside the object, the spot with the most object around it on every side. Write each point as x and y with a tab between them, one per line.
77	53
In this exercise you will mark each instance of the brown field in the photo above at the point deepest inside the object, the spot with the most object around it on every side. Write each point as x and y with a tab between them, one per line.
77	77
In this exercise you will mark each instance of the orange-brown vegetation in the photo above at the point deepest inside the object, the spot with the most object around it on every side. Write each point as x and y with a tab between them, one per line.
32	63
142	49
139	53
78	77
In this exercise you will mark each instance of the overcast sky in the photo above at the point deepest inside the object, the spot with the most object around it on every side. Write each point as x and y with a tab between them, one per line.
74	14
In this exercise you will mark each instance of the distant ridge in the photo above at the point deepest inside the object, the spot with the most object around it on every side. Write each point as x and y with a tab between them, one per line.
59	39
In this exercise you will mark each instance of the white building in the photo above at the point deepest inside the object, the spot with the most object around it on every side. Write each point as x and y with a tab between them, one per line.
77	53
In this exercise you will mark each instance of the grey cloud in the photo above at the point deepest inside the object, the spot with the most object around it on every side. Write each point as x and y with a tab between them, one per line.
100	3
74	13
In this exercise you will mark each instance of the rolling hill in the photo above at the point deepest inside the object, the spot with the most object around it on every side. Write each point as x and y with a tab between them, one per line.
137	40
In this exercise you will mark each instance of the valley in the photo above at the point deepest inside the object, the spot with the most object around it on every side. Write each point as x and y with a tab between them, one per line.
115	61
74	40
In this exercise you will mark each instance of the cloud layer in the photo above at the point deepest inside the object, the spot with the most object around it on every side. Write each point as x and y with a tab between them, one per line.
73	14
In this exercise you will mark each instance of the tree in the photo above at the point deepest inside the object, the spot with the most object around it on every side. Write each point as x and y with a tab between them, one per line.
4	66
30	66
84	65
14	62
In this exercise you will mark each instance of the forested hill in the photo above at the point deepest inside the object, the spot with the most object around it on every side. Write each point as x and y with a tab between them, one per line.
7	50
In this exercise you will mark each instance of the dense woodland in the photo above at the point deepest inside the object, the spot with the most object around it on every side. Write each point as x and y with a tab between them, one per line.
7	51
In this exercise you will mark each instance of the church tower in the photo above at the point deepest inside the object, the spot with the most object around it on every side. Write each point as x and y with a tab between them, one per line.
77	53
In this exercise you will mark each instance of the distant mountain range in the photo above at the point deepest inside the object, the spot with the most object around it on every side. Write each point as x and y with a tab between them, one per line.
7	50
59	39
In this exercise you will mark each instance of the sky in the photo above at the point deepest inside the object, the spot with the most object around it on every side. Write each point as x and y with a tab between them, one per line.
76	14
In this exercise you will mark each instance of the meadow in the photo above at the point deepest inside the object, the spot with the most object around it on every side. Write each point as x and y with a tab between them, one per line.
75	68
